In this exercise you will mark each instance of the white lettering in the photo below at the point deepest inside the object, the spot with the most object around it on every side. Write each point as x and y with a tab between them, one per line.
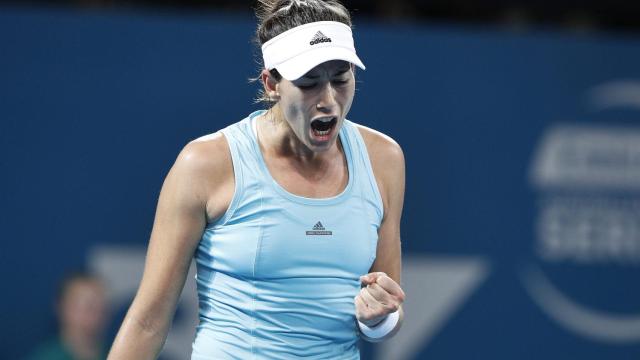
589	231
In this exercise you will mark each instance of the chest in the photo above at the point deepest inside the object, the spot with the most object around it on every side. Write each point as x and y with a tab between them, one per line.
276	238
337	241
324	181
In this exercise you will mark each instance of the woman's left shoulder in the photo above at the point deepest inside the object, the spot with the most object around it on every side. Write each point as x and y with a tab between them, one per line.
387	163
382	148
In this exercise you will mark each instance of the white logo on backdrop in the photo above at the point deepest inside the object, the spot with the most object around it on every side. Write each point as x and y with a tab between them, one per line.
588	178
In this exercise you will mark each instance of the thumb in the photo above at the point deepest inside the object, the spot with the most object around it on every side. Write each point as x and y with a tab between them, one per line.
366	280
370	278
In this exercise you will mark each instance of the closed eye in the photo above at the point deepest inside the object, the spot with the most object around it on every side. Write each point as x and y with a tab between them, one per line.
311	85
306	86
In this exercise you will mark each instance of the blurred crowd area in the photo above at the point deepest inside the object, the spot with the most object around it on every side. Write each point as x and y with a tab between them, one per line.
574	15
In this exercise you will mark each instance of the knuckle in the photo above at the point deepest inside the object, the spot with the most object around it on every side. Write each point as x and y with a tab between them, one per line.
368	290
401	297
372	291
387	307
383	293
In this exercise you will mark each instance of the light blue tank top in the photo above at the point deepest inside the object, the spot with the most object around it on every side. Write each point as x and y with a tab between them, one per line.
277	273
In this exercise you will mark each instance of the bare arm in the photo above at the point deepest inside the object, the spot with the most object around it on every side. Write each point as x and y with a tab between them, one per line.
382	294
180	219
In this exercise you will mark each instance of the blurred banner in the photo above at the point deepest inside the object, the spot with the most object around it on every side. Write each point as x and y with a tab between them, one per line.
521	229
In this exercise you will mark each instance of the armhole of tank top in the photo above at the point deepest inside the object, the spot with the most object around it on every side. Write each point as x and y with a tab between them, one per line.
254	126
237	182
371	176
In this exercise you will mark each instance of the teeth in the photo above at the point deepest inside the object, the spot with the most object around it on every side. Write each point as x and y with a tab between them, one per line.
326	121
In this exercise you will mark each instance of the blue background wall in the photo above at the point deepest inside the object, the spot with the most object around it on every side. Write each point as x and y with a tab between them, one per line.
94	109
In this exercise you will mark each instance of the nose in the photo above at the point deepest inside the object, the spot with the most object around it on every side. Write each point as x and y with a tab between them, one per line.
326	98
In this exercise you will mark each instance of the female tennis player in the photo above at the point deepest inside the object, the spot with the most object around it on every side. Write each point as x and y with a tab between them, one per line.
292	214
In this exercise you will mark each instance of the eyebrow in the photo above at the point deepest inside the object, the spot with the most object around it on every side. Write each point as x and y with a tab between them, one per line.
340	72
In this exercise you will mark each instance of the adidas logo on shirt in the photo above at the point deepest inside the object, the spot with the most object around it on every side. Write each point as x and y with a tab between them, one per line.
318	229
319	37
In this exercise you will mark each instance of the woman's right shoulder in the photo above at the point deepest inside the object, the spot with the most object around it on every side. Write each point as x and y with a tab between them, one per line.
206	157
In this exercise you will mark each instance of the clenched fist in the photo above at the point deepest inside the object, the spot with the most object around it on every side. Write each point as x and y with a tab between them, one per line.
379	296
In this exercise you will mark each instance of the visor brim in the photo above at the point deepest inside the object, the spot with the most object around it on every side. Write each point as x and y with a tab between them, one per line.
297	66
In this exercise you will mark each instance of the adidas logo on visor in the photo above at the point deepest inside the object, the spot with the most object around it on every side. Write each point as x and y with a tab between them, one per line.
318	38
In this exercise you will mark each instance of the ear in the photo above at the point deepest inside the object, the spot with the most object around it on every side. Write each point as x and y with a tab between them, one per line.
270	85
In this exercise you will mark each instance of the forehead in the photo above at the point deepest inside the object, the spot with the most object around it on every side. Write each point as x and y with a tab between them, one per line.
330	67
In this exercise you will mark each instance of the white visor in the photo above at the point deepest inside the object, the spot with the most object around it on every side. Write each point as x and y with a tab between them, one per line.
296	51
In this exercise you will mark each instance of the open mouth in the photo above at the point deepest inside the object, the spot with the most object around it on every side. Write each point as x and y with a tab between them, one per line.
323	127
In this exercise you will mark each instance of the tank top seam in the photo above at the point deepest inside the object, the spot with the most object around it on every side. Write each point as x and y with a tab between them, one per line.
371	178
363	204
253	272
238	190
366	191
